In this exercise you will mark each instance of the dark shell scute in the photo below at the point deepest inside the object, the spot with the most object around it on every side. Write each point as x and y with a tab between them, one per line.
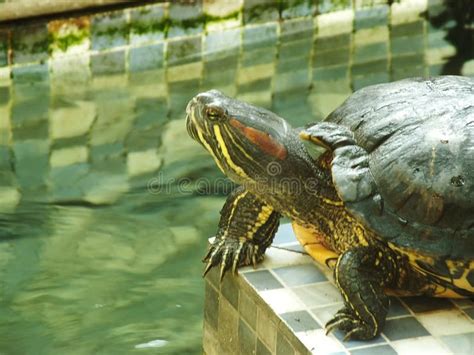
419	137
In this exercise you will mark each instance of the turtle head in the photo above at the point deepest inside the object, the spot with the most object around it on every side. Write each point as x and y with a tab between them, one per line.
248	143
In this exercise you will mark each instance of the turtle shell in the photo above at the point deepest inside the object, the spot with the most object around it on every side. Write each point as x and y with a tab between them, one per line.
412	163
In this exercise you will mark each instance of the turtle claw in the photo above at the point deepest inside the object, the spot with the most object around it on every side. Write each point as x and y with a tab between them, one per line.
231	254
353	327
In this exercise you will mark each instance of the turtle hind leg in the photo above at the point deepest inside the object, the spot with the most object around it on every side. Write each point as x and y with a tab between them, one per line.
246	229
361	274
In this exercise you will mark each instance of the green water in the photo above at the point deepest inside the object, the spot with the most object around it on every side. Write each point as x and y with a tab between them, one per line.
101	251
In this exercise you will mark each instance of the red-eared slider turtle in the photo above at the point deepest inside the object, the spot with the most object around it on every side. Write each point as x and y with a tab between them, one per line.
390	204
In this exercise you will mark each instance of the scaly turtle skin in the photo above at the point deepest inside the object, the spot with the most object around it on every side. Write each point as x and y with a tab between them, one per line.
389	205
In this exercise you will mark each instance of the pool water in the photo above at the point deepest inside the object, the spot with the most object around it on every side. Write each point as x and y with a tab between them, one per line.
106	203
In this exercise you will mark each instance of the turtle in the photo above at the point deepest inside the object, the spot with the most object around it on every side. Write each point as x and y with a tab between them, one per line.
388	203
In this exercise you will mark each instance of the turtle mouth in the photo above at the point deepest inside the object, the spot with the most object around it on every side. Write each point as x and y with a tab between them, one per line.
190	120
191	128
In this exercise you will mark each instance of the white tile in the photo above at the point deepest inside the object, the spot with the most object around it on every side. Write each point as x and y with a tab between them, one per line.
142	162
445	322
278	257
68	156
420	346
10	198
334	23
407	11
318	295
72	121
318	343
282	300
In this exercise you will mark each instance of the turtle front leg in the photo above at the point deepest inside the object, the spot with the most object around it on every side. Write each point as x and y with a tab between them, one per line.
361	274
246	229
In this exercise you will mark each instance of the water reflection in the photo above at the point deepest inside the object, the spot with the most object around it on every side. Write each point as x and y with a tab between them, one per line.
100	247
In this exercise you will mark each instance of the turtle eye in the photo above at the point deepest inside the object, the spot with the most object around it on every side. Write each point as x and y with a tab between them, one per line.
215	113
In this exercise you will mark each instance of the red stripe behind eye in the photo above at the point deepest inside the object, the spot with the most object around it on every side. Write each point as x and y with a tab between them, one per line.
261	139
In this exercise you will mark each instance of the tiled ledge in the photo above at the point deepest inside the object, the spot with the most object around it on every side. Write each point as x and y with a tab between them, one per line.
281	308
19	9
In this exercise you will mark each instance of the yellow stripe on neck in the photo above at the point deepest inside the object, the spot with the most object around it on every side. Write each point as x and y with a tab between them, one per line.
209	149
225	152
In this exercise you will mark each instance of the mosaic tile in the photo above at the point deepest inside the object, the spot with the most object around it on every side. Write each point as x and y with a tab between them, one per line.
301	29
338	56
463	302
258	11
351	344
407	29
407	11
256	57
298	275
210	342
109	30
68	156
248	309
300	321
247	339
70	75
185	18
255	37
69	35
370	52
266	329
262	348
469	312
297	8
230	290
329	43
4	95
30	43
148	24
30	75
223	43
335	23
144	162
423	345
4	45
283	346
295	247
460	343
262	280
397	309
184	50
106	63
408	61
406	45
453	322
67	182
228	320
371	17
29	112
366	80
71	120
325	6
31	166
375	350
427	304
403	328
331	73
318	295
317	341
281	300
146	58
222	15
284	235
